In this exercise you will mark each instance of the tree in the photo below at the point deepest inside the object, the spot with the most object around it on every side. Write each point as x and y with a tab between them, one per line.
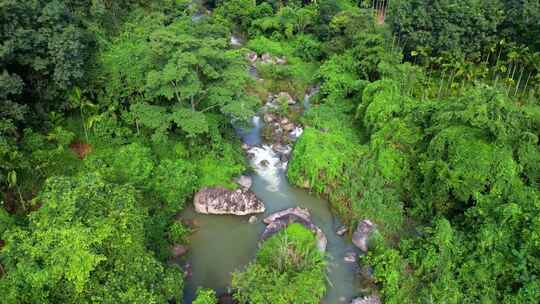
85	243
205	296
184	73
446	28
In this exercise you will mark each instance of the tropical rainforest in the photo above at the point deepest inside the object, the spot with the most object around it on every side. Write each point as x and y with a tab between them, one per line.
426	122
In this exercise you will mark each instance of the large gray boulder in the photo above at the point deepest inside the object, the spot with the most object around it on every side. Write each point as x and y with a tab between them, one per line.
361	235
225	201
280	220
298	211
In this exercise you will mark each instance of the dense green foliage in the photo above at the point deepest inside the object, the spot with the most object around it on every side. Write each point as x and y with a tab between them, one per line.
205	296
288	268
120	155
447	170
184	71
112	113
86	231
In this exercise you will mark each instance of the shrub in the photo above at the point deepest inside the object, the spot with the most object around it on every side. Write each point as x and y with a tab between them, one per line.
288	269
205	296
86	243
178	233
174	181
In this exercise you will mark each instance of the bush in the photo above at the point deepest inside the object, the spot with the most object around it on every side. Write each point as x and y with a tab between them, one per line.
178	233
288	267
86	242
205	296
132	164
218	169
174	181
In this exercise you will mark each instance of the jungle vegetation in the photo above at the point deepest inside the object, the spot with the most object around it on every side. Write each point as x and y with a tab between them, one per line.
427	122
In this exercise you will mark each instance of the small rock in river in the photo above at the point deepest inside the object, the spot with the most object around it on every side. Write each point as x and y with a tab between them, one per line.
341	231
350	257
178	250
267	58
298	211
252	219
268	117
373	299
280	220
244	181
264	163
288	127
187	270
251	56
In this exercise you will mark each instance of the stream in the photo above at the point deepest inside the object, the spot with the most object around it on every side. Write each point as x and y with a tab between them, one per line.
223	244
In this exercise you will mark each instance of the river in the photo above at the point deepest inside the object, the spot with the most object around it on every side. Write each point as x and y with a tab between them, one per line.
223	244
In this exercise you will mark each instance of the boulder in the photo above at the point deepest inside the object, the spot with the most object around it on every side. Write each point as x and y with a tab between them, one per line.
251	56
252	219
350	257
341	231
282	149
268	117
178	250
289	127
298	211
280	60
296	133
188	270
264	163
219	200
282	219
287	97
372	299
245	147
266	58
361	235
244	181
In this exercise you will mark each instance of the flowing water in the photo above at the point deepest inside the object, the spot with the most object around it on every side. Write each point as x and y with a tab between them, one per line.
223	244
